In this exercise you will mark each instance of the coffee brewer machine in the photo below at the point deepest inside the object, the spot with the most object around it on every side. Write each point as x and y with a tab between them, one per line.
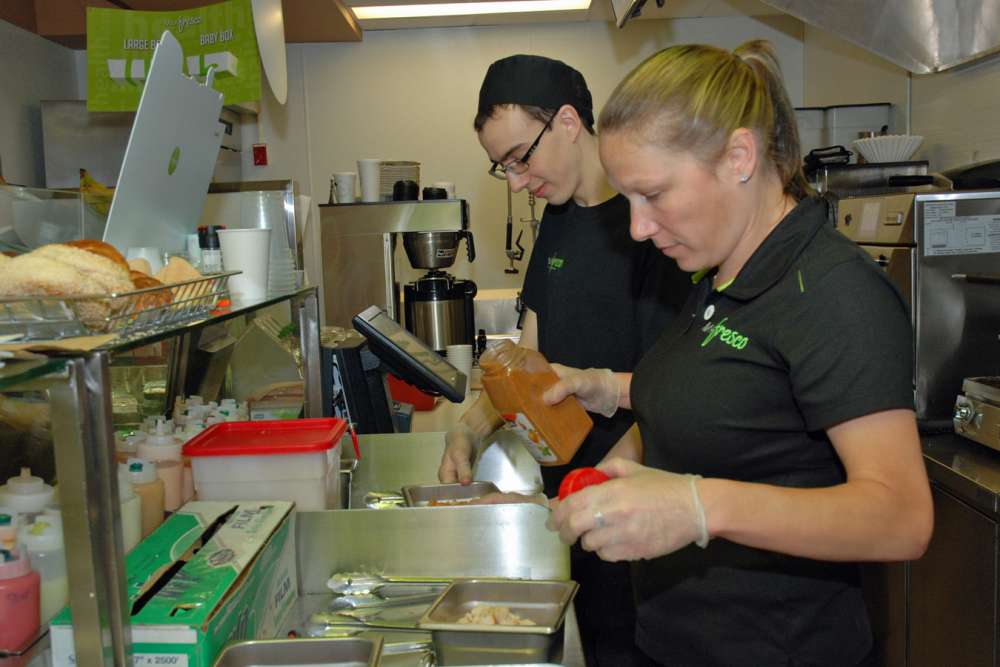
359	264
439	307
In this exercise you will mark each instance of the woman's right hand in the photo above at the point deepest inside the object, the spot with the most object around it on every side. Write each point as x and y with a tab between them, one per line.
598	389
460	448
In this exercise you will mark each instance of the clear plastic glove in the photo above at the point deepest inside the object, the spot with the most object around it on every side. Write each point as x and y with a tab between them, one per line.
460	449
640	513
597	389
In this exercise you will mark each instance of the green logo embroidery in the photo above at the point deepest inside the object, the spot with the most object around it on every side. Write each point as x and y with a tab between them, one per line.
555	263
174	159
730	337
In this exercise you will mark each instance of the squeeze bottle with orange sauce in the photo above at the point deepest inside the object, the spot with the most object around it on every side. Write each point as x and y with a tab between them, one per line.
515	379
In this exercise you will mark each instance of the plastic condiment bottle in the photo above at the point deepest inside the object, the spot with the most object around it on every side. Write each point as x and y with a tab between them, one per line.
515	379
26	494
20	593
149	487
131	510
44	543
165	450
127	447
8	529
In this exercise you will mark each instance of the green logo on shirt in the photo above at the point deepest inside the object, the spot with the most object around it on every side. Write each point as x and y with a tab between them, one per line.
730	337
555	263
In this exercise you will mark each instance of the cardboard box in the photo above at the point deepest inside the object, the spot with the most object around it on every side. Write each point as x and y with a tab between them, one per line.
212	573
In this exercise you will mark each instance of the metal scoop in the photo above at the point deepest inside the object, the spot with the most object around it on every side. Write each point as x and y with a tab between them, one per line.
504	460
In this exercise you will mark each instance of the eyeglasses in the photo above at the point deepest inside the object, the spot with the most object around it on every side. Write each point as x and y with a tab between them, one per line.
518	165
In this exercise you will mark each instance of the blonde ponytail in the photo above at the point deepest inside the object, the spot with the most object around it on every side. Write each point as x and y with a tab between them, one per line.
692	97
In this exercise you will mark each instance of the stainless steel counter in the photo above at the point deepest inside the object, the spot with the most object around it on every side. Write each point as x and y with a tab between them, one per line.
967	469
459	541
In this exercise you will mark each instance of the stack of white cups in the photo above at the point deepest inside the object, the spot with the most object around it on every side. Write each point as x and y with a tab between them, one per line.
460	356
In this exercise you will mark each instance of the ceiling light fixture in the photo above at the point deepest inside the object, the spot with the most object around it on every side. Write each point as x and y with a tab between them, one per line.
467	8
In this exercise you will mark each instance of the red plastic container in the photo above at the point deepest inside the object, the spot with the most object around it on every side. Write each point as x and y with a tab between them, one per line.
283	459
404	392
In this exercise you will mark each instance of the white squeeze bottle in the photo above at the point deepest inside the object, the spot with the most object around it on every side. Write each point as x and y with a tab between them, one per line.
44	543
131	508
25	494
165	450
149	487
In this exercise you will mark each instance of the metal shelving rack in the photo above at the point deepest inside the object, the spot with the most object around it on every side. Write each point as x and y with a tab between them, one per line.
79	391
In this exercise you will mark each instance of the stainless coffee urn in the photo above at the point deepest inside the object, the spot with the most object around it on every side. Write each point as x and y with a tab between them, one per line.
358	244
439	307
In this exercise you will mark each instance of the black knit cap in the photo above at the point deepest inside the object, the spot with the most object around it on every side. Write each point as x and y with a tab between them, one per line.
536	81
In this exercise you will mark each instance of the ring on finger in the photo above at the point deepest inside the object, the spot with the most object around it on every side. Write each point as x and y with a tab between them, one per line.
598	519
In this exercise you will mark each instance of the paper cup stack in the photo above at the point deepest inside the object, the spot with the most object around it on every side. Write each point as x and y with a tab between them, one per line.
460	356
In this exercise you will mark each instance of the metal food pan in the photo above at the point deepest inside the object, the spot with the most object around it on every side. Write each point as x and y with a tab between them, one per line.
351	652
422	495
544	602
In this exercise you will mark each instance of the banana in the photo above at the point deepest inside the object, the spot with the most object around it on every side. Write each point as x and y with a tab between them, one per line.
96	193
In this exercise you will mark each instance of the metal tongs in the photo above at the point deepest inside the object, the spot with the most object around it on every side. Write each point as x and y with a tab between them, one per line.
512	255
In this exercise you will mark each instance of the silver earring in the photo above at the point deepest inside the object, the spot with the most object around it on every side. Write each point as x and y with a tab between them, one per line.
744	178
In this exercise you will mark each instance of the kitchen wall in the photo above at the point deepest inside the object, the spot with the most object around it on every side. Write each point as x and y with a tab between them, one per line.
412	95
958	114
33	69
955	111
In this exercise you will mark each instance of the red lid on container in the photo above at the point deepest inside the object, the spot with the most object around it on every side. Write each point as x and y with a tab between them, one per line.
261	438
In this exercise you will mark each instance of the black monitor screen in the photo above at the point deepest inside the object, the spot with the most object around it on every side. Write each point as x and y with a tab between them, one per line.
409	357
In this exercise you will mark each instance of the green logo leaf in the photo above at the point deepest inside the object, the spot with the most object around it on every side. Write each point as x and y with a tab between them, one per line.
174	159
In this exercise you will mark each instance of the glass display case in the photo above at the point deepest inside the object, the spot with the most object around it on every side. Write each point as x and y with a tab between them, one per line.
59	415
32	217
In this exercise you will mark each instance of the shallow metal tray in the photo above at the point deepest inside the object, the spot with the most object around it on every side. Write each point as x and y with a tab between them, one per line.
544	602
423	495
352	652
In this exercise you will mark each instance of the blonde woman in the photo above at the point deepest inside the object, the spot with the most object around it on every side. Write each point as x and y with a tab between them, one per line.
778	441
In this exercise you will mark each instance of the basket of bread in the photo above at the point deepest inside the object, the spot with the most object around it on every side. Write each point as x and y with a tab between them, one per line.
82	288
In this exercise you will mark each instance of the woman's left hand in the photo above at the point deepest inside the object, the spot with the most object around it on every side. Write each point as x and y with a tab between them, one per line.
640	513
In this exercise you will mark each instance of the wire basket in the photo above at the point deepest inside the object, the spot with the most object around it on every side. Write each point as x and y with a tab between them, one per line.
126	314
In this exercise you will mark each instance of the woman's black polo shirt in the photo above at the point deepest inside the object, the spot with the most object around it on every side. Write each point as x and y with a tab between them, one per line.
742	385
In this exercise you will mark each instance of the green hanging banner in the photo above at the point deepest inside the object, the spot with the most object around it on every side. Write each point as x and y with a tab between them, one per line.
120	45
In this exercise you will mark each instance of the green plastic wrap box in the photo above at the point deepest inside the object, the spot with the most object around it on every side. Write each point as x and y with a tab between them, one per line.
190	596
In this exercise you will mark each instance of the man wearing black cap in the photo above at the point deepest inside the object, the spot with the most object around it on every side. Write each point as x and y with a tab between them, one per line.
593	297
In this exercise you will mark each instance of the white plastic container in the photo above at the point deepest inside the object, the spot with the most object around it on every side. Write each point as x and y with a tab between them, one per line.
26	494
269	460
131	510
44	544
165	450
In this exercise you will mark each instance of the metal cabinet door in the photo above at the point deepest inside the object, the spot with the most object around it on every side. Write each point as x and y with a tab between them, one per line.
953	589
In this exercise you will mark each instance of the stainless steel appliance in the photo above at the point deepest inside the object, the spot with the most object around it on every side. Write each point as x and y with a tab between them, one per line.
942	250
977	411
440	309
359	247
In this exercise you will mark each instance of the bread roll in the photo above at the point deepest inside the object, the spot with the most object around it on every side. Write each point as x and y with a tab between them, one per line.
103	249
177	270
152	299
140	264
110	275
34	274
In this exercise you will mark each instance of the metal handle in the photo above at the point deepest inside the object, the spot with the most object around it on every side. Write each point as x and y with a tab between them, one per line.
978	278
470	246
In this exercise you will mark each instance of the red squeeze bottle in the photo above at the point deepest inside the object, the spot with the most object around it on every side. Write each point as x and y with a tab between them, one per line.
579	479
20	591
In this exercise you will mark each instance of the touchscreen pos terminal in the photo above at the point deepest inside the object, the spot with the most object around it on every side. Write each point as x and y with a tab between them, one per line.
408	357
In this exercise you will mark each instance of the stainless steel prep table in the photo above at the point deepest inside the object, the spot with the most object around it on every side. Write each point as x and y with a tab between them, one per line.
463	541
